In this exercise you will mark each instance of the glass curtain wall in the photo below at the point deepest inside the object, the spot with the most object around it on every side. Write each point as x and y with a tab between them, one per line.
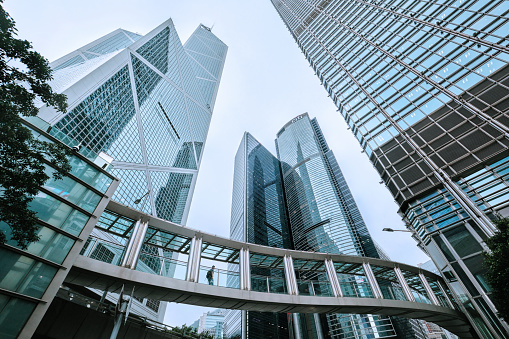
423	87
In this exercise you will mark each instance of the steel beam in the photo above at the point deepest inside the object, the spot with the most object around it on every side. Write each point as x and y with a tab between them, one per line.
373	283
193	263
333	278
404	285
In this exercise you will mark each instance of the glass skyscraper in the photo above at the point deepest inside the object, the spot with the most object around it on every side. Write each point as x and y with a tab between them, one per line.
258	216
423	86
300	200
324	218
144	103
140	107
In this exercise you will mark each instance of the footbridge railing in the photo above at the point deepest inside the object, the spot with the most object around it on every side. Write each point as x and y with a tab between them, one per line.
168	262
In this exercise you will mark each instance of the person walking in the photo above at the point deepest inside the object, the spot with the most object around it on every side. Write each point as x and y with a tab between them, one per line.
210	275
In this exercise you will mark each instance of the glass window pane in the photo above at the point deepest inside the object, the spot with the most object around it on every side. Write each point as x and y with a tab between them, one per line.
436	255
72	191
444	248
24	275
14	313
51	245
462	241
476	267
465	280
58	214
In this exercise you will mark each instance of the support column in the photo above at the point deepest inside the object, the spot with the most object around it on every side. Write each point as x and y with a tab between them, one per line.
404	285
291	280
135	243
333	278
245	269
130	243
193	264
318	326
296	326
373	283
243	324
429	290
445	295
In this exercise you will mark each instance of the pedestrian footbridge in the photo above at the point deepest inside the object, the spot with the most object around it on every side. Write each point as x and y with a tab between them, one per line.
165	261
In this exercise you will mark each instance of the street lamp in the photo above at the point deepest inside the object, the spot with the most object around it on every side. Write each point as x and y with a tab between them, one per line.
392	230
137	201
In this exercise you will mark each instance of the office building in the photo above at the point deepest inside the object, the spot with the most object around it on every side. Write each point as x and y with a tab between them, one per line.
300	200
140	106
66	212
423	87
258	216
144	103
324	218
212	323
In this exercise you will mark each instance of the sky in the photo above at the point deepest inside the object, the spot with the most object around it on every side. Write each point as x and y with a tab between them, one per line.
266	82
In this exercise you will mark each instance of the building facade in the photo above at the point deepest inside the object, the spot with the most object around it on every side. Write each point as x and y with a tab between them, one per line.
423	87
143	106
300	200
212	323
66	212
258	216
324	218
145	103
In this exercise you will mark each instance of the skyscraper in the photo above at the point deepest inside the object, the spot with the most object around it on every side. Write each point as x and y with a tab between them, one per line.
140	107
144	103
300	200
324	218
423	87
258	216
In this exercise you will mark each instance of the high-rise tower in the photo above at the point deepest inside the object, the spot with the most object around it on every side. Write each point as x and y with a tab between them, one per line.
424	88
258	216
301	201
140	107
145	104
324	218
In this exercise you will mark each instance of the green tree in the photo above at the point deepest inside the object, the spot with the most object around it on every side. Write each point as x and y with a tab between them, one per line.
190	332
24	76
497	263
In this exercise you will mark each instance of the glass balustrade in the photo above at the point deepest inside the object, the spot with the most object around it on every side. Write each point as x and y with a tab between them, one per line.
356	289
164	264
219	277
261	283
391	291
314	287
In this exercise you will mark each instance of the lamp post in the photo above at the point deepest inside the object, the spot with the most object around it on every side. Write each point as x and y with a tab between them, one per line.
392	230
137	201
